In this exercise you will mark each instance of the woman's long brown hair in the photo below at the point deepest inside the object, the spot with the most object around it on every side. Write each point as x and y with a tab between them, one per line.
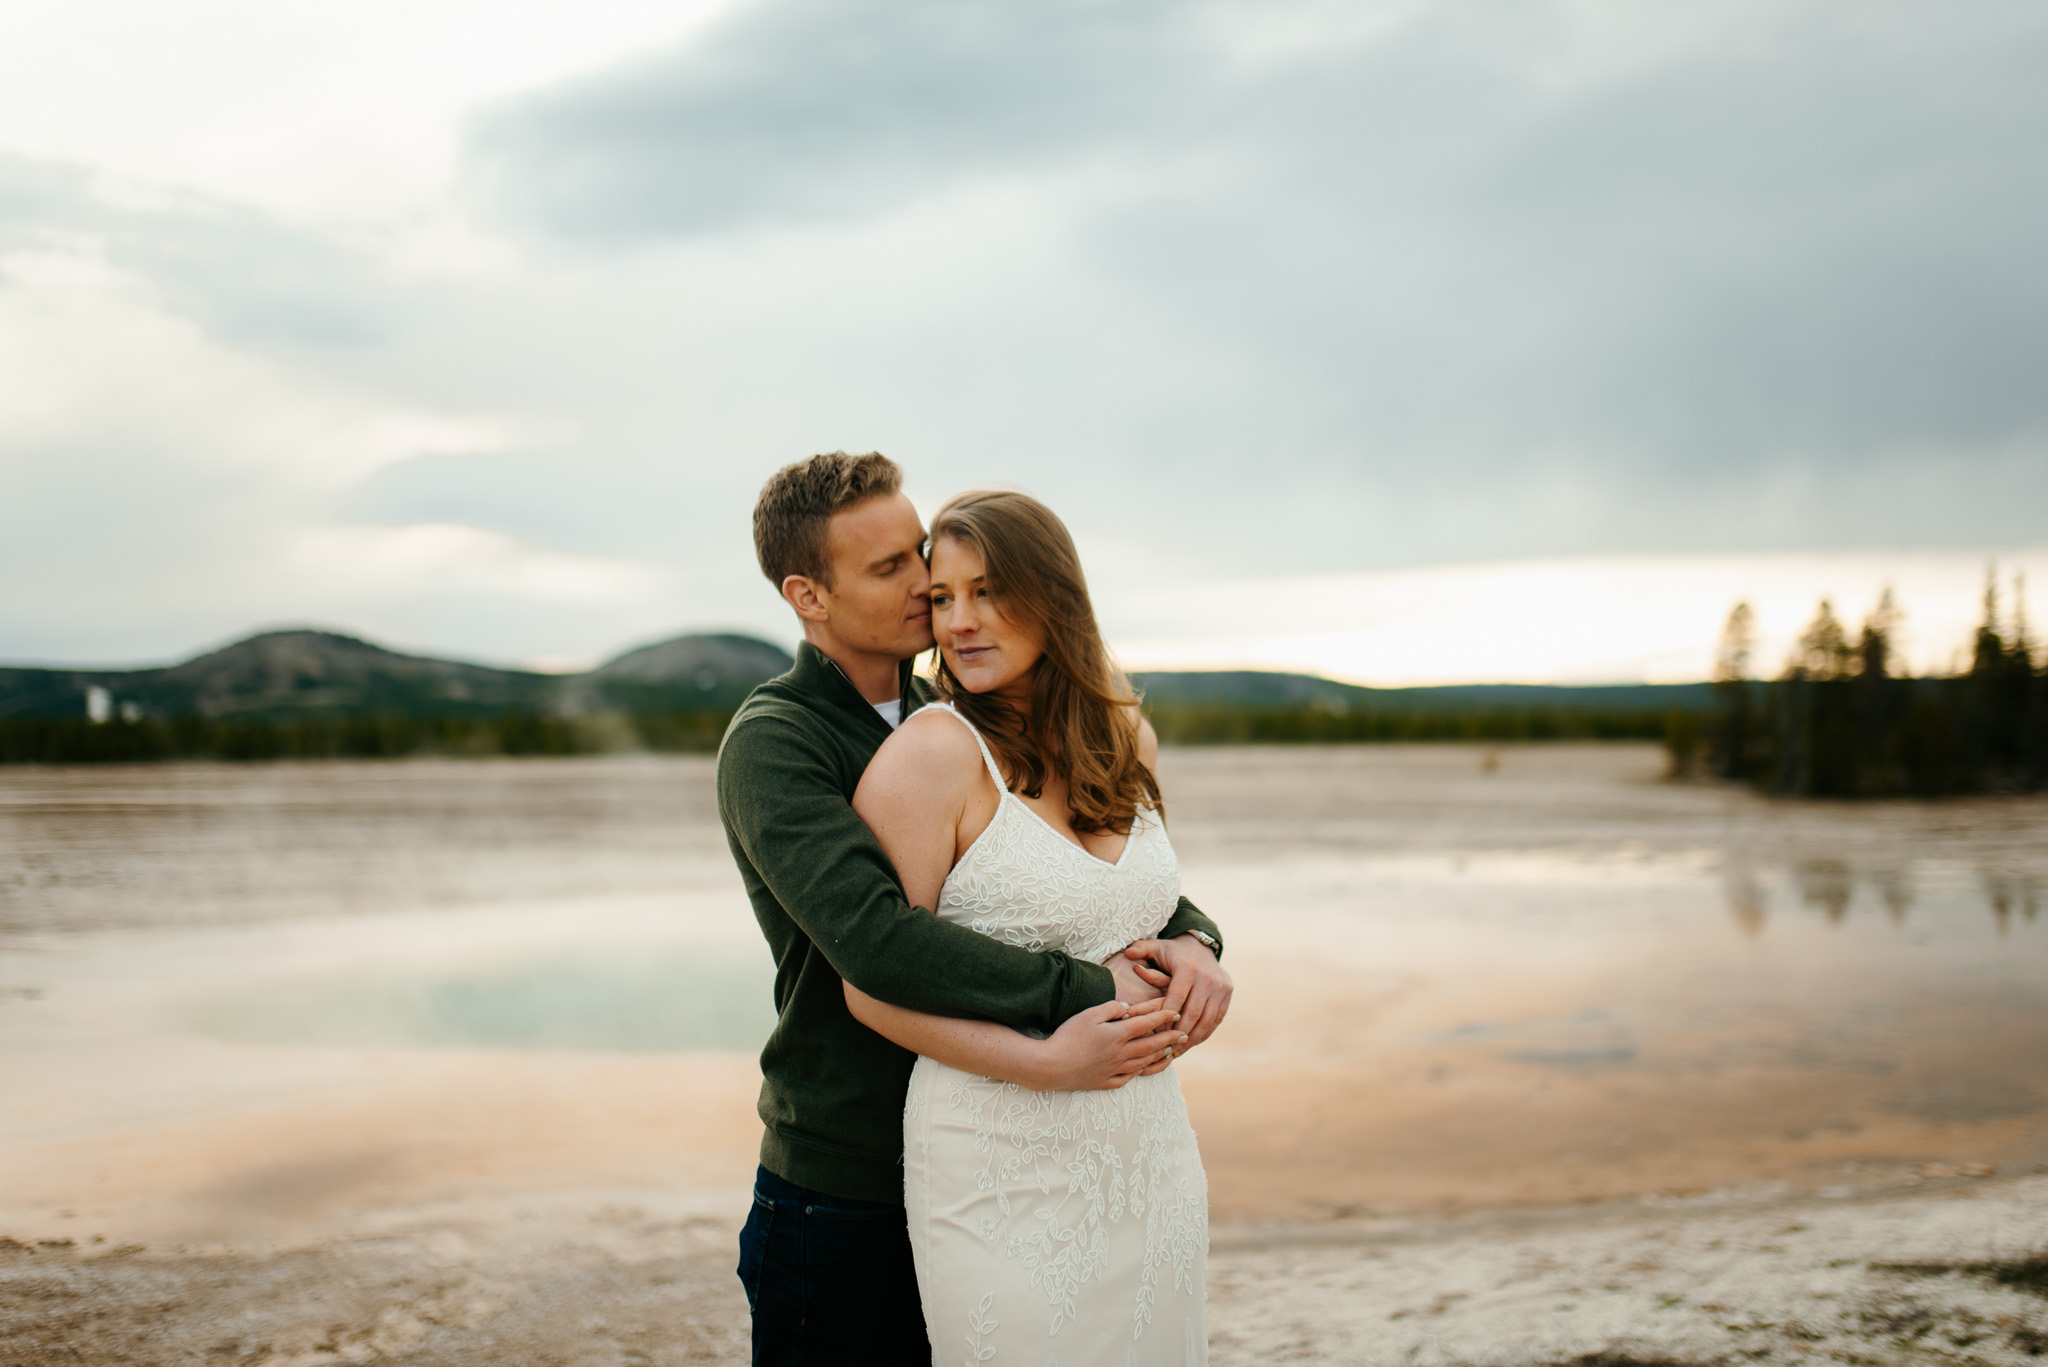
1083	722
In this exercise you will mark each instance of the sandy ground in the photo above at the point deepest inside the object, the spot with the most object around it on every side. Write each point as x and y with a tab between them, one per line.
1903	1279
1878	1280
1536	1060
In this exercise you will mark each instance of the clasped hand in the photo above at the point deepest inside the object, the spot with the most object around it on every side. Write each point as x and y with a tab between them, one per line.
1172	994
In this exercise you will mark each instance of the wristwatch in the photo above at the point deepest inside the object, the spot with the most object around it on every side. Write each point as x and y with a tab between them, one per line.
1207	939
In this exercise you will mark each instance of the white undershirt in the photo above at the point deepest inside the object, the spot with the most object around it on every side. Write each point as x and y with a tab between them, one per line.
891	711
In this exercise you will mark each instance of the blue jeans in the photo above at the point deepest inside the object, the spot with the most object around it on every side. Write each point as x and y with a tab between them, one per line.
829	1280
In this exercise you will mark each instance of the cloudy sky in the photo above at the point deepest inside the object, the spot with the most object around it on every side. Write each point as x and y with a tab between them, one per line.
1406	341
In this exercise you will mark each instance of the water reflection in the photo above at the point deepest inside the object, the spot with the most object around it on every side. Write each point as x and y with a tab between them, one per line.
1895	886
1829	886
1825	884
2007	891
1592	1038
1746	900
1520	984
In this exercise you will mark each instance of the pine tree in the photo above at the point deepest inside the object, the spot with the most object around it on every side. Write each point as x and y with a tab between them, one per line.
1880	628
1738	644
2022	644
1732	750
1989	658
1823	651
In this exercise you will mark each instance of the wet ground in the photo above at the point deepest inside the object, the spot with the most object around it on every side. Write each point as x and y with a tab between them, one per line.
478	1030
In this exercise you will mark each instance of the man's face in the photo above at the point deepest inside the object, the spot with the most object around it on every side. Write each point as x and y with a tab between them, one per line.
880	599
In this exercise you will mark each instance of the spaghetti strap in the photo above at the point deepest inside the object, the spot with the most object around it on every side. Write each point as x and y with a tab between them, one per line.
986	757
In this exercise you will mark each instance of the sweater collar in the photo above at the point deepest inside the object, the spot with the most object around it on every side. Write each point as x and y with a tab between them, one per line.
819	675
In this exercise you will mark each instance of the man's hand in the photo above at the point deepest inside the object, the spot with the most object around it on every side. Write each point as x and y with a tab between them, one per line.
1131	986
1196	985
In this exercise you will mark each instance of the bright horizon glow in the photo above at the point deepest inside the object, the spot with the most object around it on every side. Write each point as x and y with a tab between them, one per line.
1583	620
1566	621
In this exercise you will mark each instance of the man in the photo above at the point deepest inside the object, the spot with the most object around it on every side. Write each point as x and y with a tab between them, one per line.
825	1257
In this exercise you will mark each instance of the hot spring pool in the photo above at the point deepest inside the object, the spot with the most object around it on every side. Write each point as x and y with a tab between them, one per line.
666	1000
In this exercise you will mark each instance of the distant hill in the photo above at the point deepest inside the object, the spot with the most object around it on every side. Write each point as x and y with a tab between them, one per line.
684	673
290	675
706	661
1251	688
280	675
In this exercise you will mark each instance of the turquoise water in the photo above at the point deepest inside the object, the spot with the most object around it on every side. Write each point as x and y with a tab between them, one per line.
623	1000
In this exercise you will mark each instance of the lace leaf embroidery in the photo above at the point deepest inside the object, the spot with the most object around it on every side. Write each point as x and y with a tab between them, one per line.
980	1324
1068	1170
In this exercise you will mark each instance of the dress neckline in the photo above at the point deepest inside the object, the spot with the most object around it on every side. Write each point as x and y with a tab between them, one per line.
1033	813
995	773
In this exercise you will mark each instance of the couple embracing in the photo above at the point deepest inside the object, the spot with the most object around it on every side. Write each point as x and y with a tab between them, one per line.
976	1149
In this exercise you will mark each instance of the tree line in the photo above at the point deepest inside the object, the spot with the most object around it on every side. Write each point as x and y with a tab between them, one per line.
1316	723
1842	720
79	740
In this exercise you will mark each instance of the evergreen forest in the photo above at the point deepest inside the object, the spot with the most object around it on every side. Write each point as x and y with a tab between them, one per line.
1843	721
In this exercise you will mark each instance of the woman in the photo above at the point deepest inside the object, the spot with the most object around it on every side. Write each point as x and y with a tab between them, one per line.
1048	1223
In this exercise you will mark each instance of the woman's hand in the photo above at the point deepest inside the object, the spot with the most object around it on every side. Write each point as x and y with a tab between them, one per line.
1199	988
1104	1047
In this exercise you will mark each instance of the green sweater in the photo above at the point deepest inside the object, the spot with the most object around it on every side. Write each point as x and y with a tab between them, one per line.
830	904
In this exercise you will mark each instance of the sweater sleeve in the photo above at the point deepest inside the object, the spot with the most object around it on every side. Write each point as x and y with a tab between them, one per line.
1186	917
780	799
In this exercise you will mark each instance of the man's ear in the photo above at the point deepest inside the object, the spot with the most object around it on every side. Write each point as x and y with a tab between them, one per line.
802	593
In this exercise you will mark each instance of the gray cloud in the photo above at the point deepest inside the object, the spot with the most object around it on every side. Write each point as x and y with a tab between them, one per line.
811	110
1238	287
248	279
1802	240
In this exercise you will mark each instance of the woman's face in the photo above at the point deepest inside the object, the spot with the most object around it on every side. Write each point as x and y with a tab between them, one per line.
987	652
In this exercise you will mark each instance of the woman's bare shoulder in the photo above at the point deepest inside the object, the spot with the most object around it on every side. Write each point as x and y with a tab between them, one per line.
1148	742
931	750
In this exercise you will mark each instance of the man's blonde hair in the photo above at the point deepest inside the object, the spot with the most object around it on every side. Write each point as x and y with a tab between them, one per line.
794	512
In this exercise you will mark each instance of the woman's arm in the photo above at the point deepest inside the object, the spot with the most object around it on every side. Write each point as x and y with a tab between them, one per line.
919	789
923	791
1101	1048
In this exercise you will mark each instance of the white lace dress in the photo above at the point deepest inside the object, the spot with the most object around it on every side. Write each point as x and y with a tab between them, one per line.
1056	1229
